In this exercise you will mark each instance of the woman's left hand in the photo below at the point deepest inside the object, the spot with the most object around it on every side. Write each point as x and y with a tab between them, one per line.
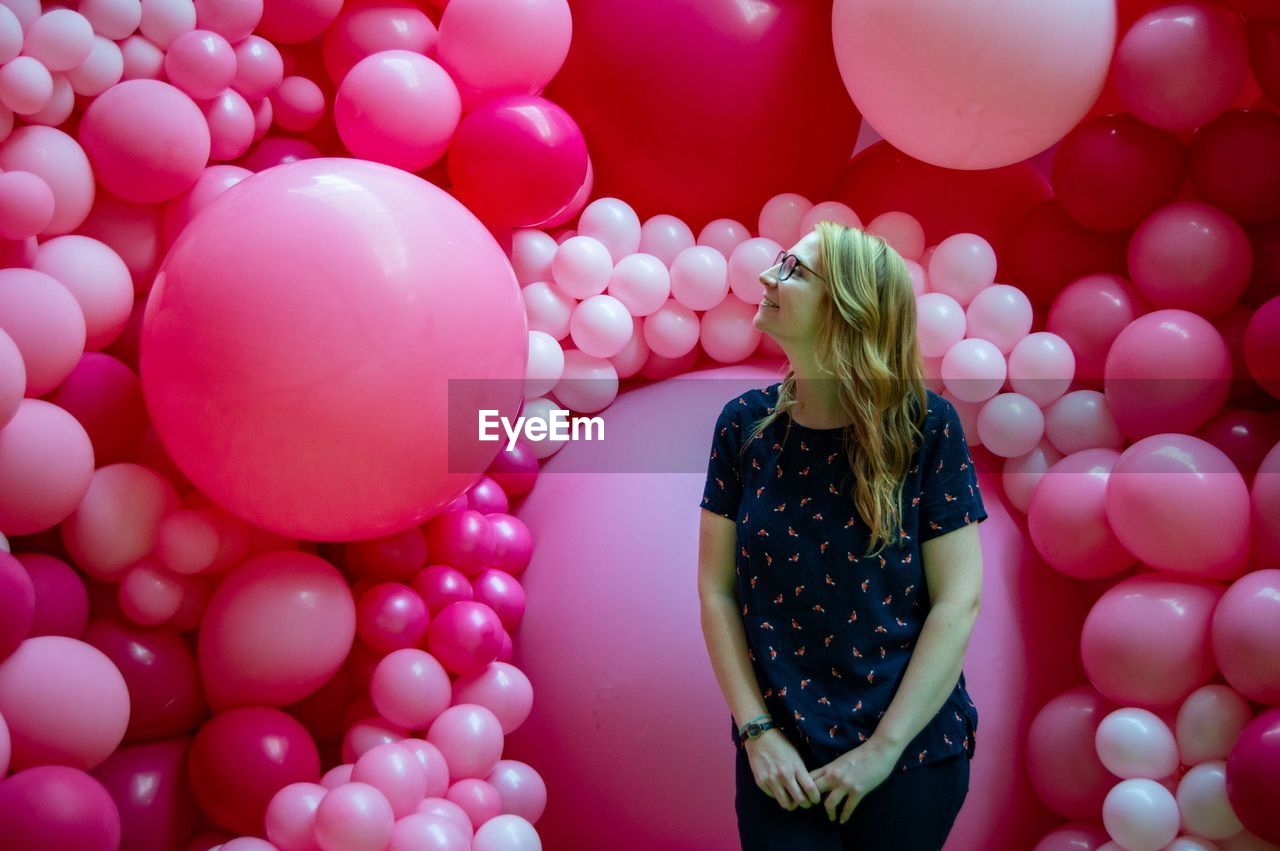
851	776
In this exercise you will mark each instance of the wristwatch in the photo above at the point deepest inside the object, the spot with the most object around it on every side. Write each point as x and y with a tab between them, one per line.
754	728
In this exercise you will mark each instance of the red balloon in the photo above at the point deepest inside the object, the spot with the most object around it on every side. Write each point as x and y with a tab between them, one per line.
1262	347
1264	55
1256	8
707	109
517	160
394	557
1047	250
1113	171
150	787
1243	436
1264	239
159	669
241	758
1253	776
988	202
1235	164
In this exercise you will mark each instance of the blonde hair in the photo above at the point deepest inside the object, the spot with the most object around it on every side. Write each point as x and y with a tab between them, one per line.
867	342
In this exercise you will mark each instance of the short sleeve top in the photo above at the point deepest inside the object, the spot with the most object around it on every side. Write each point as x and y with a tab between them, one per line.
829	630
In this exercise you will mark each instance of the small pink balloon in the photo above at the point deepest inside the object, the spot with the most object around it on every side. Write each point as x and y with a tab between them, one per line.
141	59
447	809
187	542
747	260
902	231
829	211
672	330
433	763
507	832
1245	635
1081	420
504	47
727	332
642	283
582	266
1265	495
439	585
201	63
1000	314
1021	476
26	205
353	817
213	181
45	321
1010	424
465	636
410	688
470	737
1190	256
231	19
396	773
487	497
390	616
1262	346
501	688
366	27
1041	367
369	733
1076	836
941	323
336	776
102	70
780	218
464	539
699	277
259	68
665	236
58	160
974	370
1208	722
115	524
478	799
97	278
46	466
601	326
164	20
724	235
422	832
17	607
1067	518
25	85
962	266
149	594
112	19
614	223
1068	777
13	378
515	469
291	816
501	592
231	125
522	789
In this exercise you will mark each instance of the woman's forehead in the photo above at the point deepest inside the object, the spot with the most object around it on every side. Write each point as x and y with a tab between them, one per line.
807	249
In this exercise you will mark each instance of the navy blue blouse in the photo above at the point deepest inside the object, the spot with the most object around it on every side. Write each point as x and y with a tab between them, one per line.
830	631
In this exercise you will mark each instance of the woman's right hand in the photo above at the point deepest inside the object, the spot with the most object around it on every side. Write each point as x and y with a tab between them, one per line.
780	772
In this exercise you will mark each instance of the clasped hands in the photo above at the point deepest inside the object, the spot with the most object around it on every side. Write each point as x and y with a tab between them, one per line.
847	779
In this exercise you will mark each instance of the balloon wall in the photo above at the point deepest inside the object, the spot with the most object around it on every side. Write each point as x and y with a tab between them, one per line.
256	592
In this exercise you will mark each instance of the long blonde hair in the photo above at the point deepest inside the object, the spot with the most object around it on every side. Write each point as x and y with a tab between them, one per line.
867	342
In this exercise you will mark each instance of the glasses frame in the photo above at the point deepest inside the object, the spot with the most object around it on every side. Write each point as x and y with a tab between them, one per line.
786	264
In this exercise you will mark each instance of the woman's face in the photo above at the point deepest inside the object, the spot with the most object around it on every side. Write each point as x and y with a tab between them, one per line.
789	311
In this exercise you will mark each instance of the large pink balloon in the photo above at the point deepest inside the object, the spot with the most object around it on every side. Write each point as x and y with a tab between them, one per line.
1067	775
1191	256
46	466
276	630
59	160
55	808
1246	633
504	47
150	788
1146	640
973	86
1089	314
1067	519
577	648
691	141
315	307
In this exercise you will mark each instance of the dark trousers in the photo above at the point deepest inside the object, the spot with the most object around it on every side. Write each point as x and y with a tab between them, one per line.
912	810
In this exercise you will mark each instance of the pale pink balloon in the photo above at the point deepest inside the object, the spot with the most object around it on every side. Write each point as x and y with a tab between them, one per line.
665	237
479	800
728	333
212	182
1203	804
13	379
829	211
614	223
141	59
1067	519
187	541
1021	476
1010	424
748	259
1166	372
781	217
298	103
641	282
1246	633
26	11
1181	65
60	39
396	773
337	776
434	765
1075	836
26	205
6	746
633	356
369	733
45	687
582	267
149	595
1191	256
102	70
902	231
501	688
147	140
1000	314
600	326
1145	642
1208	722
1081	420
545	365
724	235
98	280
940	322
588	385
1141	815
410	688
531	253
291	816
507	832
973	370
164	20
25	85
58	160
1191	843
470	737
1041	367
919	281
699	277
422	832
259	68
438	805
962	266
1161	494
231	19
201	63
548	308
354	817
522	789
112	19
397	107
231	125
11	33
504	47
671	330
1065	774
115	524
1135	742
60	106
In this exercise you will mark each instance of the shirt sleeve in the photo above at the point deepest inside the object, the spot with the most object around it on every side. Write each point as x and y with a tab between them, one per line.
949	495
722	492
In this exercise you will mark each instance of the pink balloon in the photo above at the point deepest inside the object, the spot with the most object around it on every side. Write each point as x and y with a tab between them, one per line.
105	396
410	688
973	370
1146	640
46	465
1191	256
437	770
132	231
102	70
1243	436
141	59
336	776
1010	425
366	27
522	789
699	277
369	733
962	266
446	809
664	236
242	757
1262	346
57	807
465	636
1076	836
147	140
724	235
1233	164
164	20
187	542
1089	314
502	689
390	616
232	125
422	832
727	332
1141	813
212	182
259	68
149	786
58	160
941	323
201	63
275	630
1041	367
61	600
1067	520
1154	64
1265	495
45	321
231	19
26	86
296	21
582	266
470	737
479	800
601	326
1135	742
487	497
115	524
354	817
26	205
1158	497
464	539
1203	804
17	607
614	223
1081	420
1209	721
97	278
159	669
44	686
503	593
1166	372
1000	314
1022	476
149	594
13	378
509	47
1253	776
912	72
439	585
517	160
1245	634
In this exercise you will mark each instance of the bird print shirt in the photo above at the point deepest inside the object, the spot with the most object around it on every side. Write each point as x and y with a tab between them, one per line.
829	630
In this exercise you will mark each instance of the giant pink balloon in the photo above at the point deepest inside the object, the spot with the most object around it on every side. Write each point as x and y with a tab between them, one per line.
973	86
577	646
276	630
315	308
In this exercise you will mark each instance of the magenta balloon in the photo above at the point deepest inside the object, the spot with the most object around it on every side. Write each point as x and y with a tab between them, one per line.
1246	631
242	757
61	600
1067	518
515	469
517	160
1262	346
503	593
397	557
17	606
1243	436
365	27
152	794
147	140
513	545
1146	640
487	497
105	396
1069	778
1113	171
45	686
54	808
294	299
464	539
1158	500
465	636
1167	371
159	669
296	21
439	585
1191	256
275	630
1235	164
1253	776
390	616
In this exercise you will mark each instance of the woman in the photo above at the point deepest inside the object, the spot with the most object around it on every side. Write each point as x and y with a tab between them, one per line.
839	566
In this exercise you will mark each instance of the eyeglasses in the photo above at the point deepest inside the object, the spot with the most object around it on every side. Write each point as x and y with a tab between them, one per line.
787	264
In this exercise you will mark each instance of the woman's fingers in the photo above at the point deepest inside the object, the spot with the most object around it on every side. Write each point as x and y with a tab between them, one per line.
798	798
811	791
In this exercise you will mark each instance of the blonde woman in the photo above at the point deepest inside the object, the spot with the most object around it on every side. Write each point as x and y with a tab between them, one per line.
839	567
